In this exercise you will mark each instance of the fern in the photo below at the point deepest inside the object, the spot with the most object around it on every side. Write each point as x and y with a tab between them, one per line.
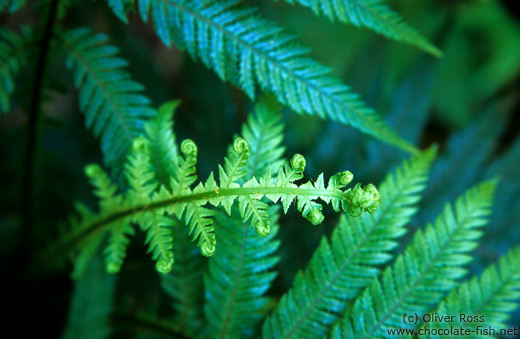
338	271
238	277
146	201
263	133
413	284
110	100
14	50
91	303
245	48
184	283
491	296
373	14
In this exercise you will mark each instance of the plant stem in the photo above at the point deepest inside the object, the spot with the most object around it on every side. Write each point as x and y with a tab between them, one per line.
33	127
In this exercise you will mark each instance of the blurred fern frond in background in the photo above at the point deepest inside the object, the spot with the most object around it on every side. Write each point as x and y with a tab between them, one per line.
194	219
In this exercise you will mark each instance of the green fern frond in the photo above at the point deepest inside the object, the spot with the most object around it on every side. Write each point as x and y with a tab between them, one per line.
264	134
243	47
110	100
338	271
372	14
13	54
238	276
142	205
91	303
162	143
184	284
11	6
429	267
493	296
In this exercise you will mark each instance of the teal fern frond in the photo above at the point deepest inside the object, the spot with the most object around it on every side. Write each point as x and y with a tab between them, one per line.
246	49
184	284
146	205
14	49
11	5
112	103
264	134
428	268
491	296
238	276
91	303
372	14
338	271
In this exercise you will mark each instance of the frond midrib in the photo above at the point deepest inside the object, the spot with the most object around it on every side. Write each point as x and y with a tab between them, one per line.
205	195
411	288
100	84
345	264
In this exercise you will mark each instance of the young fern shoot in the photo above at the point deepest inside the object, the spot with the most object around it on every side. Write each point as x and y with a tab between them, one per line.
151	205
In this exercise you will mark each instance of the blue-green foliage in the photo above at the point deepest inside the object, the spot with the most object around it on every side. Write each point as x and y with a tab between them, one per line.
112	103
429	267
14	49
91	303
11	5
453	173
243	47
373	14
340	270
493	295
238	276
241	273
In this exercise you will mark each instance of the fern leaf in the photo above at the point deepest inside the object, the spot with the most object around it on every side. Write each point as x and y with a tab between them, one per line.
11	6
238	277
91	303
13	54
338	271
264	134
110	100
162	143
429	267
493	296
452	173
143	202
184	284
372	14
238	43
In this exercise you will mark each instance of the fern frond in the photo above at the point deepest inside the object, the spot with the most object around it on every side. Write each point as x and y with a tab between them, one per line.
13	54
428	268
264	134
162	143
11	6
91	303
452	173
238	277
493	296
110	100
141	206
243	47
372	14
338	271
184	284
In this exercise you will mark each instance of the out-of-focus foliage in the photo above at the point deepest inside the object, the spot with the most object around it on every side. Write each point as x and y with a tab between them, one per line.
300	281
